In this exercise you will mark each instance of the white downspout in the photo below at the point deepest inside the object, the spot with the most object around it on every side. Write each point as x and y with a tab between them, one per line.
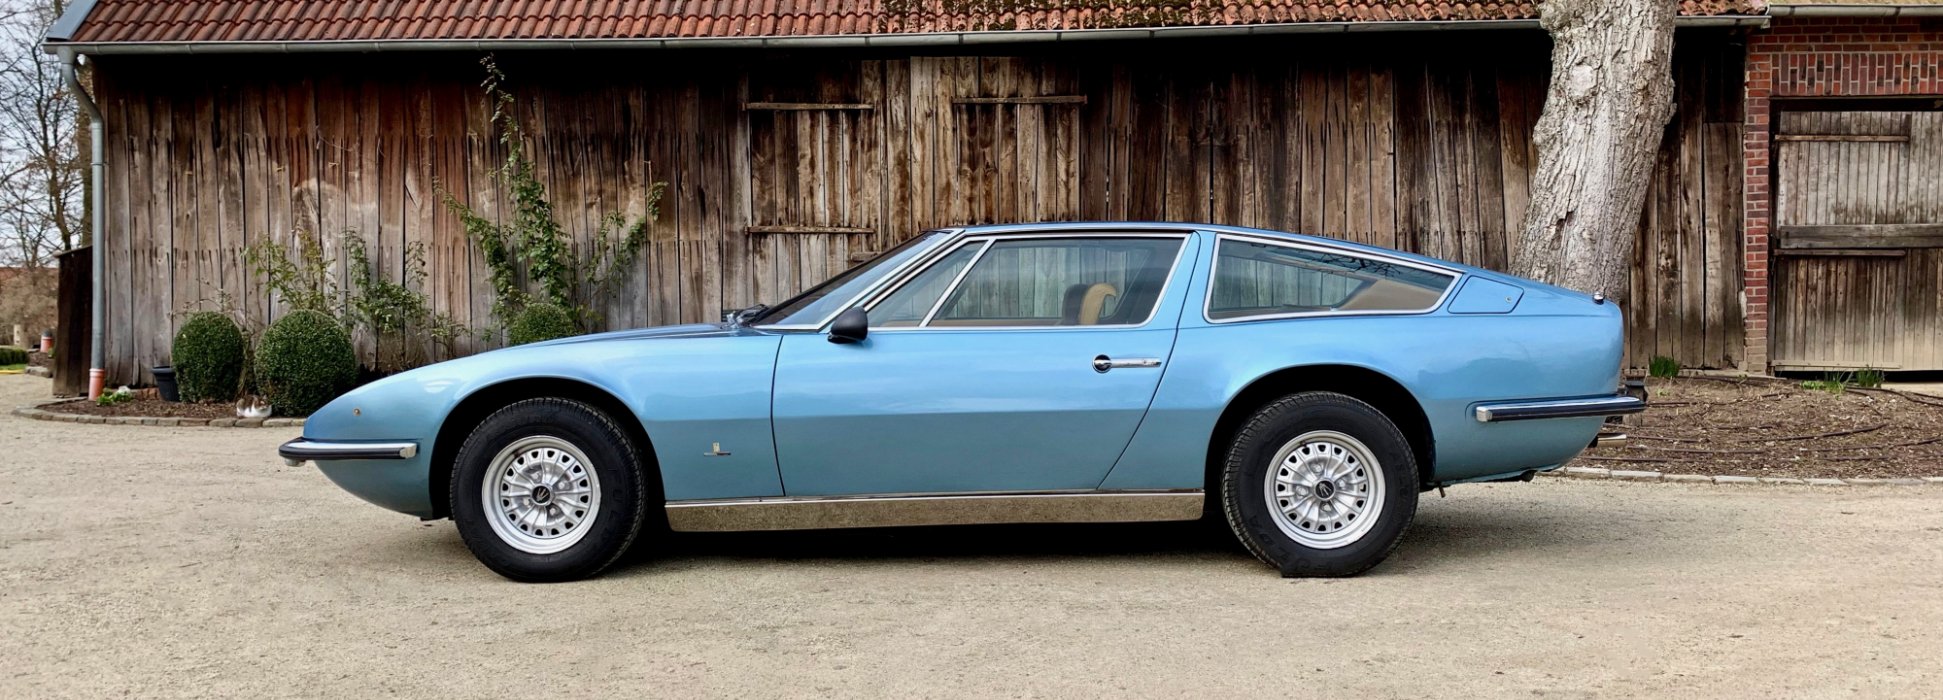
97	370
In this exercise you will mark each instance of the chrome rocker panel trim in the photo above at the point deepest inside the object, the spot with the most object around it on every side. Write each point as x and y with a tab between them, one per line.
837	512
1559	408
302	450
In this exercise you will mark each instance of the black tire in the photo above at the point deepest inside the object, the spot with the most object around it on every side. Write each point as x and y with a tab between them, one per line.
619	467
1254	451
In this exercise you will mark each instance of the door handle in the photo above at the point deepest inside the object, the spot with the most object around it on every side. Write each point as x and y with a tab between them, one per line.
1103	363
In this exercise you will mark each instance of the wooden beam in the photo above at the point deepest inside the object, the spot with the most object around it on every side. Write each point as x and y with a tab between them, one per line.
1040	100
806	229
805	106
1852	138
1861	236
1842	253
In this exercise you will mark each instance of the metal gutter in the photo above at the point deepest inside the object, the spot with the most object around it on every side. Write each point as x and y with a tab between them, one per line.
97	368
1845	10
827	41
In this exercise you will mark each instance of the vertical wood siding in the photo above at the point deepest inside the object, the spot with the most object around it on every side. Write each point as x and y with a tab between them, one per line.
782	170
1860	186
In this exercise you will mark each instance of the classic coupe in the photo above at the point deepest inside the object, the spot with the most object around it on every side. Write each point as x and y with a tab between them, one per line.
1303	390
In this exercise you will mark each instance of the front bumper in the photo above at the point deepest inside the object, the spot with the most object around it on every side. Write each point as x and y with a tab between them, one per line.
302	450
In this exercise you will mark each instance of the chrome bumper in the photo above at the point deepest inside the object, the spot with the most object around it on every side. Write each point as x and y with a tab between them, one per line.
1559	408
302	450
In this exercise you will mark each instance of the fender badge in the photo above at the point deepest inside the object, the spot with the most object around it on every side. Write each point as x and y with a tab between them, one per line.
716	451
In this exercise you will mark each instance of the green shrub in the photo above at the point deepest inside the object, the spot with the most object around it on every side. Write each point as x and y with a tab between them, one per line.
208	354
1664	367
539	322
303	361
12	356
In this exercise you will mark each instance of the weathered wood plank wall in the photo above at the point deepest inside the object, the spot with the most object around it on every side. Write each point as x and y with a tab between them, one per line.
1858	274
782	169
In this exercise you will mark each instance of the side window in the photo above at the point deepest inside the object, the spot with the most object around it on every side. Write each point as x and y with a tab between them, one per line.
1262	279
1062	282
906	307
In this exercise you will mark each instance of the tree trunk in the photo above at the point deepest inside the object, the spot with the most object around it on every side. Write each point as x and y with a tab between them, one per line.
1610	98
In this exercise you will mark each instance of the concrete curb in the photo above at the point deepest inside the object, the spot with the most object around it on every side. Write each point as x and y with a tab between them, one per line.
41	372
1627	475
35	412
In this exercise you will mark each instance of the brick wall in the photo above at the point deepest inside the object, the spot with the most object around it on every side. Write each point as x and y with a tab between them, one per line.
1819	57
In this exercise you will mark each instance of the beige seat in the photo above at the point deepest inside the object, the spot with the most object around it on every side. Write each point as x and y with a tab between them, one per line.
1095	301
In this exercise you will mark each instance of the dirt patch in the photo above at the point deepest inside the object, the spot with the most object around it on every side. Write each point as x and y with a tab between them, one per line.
145	405
1777	428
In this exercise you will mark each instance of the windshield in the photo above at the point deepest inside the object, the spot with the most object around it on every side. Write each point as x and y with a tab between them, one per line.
821	301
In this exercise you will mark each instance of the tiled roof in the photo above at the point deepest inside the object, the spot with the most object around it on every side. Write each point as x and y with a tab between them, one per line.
367	20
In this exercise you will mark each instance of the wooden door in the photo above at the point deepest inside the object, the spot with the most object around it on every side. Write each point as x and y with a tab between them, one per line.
816	178
1012	143
1858	240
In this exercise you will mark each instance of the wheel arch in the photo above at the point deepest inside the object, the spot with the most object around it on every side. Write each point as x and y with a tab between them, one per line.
1377	389
475	407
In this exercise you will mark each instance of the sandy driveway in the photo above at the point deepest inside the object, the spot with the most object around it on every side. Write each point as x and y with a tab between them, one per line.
166	562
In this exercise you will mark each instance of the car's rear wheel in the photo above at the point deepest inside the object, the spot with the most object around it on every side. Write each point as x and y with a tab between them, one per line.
549	490
1319	484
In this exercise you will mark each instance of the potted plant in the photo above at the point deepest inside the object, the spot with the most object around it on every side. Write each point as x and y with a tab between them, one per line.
165	383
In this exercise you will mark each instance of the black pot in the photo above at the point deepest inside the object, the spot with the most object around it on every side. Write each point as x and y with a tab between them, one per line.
165	383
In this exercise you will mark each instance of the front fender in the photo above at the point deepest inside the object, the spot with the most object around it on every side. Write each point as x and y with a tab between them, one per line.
689	393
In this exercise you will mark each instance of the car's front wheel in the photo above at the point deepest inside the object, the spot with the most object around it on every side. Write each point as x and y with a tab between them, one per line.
548	490
1319	484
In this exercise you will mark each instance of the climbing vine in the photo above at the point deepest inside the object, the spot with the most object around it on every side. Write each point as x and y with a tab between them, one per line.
530	258
396	314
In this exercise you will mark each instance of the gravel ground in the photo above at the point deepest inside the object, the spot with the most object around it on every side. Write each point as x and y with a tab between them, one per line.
162	562
1756	427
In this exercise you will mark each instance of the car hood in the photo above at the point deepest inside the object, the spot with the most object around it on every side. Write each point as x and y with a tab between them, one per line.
692	330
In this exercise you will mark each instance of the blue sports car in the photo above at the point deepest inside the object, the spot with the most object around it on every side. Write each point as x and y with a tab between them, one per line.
1304	390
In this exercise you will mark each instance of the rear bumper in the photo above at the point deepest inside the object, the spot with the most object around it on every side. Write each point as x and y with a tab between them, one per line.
302	450
1616	405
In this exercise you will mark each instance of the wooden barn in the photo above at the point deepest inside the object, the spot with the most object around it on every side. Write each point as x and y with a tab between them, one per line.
797	137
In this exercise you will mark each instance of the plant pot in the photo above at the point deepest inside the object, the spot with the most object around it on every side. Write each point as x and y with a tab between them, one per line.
165	383
47	342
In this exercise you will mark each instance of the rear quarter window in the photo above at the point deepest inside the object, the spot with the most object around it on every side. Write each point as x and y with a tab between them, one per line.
1255	279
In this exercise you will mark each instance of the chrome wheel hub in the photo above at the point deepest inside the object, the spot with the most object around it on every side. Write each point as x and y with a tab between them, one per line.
541	494
1324	489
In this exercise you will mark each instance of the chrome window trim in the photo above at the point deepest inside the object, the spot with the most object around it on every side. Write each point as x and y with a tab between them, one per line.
983	245
951	235
1214	269
991	239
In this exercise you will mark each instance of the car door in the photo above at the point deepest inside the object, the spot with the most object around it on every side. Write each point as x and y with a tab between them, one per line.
1009	363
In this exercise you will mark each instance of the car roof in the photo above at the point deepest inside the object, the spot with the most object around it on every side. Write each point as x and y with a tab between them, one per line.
1188	227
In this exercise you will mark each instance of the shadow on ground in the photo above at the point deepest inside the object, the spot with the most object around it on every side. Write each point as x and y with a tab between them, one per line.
1454	533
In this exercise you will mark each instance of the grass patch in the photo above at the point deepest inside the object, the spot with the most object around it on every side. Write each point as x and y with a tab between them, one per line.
1832	386
13	368
1664	367
1869	378
1838	382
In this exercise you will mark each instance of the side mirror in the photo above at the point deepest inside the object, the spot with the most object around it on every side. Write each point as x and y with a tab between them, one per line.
851	326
